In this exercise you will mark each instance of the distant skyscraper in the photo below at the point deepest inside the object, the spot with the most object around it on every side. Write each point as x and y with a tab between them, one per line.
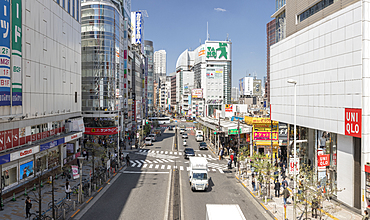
234	94
159	64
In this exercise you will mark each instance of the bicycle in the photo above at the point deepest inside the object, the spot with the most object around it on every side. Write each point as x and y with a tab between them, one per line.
35	216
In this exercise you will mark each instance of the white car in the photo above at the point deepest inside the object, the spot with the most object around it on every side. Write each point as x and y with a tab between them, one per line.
148	141
183	120
184	135
152	136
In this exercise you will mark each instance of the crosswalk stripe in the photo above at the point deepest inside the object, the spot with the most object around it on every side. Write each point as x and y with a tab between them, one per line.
157	152
140	150
133	164
142	161
180	153
138	163
175	152
220	171
163	166
149	151
170	152
151	165
210	156
166	152
168	167
214	170
170	160
162	152
187	168
165	160
155	161
208	170
181	168
160	161
148	161
145	165
156	166
175	167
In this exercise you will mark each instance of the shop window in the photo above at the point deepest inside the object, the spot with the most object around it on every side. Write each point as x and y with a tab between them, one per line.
9	176
41	163
26	170
53	158
44	127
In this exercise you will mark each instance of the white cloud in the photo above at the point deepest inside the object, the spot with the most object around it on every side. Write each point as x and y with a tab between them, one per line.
220	9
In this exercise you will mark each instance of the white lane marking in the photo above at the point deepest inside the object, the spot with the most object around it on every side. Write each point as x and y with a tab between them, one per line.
170	160
163	166
214	170
165	160
162	152
157	152
180	153
142	161
181	168
155	161
151	165
156	166
220	171
187	168
166	152
175	152
170	152
145	165
148	161
168	167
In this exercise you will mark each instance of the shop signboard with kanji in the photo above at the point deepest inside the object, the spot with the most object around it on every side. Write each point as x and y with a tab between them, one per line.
262	130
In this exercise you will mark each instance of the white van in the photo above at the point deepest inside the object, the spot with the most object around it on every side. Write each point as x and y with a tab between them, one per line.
199	137
148	141
198	174
224	211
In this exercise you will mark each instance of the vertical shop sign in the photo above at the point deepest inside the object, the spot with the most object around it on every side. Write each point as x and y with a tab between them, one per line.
5	53
75	172
16	52
352	125
293	161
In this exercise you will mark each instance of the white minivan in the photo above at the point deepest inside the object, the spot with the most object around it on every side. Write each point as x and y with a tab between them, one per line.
199	137
198	175
148	141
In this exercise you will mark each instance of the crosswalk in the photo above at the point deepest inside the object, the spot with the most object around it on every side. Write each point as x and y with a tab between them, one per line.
158	165
171	153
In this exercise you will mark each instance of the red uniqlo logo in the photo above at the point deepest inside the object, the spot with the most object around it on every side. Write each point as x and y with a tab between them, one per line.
323	160
352	125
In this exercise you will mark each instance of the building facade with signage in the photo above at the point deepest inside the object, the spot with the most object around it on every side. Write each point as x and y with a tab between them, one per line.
104	69
210	67
40	104
148	50
326	51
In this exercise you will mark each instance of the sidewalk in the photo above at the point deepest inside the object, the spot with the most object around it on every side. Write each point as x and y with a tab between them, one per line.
276	207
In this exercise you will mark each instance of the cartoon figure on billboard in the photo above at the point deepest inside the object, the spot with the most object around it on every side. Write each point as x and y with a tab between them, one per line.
26	170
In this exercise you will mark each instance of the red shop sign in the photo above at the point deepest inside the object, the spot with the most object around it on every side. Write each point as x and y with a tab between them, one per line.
352	125
101	131
323	160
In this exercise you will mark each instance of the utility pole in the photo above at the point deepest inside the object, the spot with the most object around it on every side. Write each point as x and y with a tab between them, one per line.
271	142
219	128
40	188
52	195
238	142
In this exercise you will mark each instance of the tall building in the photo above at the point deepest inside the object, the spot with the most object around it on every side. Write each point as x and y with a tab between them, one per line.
103	73
271	39
160	64
148	50
234	94
40	106
325	51
207	67
173	92
246	86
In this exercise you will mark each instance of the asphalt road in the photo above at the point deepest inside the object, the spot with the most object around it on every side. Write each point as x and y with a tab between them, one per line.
141	191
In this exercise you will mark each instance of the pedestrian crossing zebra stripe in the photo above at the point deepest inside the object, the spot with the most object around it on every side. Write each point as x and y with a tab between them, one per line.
151	165
166	152
145	165
156	166
170	160
181	168
220	170
168	167
155	161
163	166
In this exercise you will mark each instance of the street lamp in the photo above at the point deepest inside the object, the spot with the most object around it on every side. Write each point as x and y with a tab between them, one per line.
295	145
80	159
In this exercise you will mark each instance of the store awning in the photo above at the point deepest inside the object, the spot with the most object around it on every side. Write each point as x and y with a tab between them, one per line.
266	143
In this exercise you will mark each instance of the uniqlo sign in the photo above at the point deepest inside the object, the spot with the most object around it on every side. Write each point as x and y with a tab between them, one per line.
352	125
323	160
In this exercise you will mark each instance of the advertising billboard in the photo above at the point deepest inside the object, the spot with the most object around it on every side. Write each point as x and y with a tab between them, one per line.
353	122
219	50
214	73
5	53
241	86
16	52
138	27
26	170
197	93
228	108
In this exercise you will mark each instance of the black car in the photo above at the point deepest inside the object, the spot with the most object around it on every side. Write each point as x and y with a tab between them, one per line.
170	128
203	145
189	152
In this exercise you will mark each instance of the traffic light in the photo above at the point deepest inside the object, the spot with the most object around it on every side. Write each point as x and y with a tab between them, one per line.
215	132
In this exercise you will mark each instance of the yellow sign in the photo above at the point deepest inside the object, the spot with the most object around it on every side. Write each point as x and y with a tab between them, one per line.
248	120
263	121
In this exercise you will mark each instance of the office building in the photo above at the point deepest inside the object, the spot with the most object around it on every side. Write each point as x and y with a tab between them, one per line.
148	48
160	64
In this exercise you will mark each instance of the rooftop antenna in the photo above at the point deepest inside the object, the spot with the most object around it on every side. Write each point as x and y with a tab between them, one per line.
200	41
207	32
227	38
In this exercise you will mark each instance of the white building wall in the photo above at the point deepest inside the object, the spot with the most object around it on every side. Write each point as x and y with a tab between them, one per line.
345	167
325	60
51	46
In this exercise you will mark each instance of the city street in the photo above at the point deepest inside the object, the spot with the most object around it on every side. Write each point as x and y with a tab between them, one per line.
142	191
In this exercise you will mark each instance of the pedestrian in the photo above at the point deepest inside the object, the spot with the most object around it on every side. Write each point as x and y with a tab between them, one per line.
283	169
314	206
68	191
286	195
229	164
232	157
28	205
366	215
222	153
87	156
219	155
84	154
277	188
284	183
235	159
253	182
127	160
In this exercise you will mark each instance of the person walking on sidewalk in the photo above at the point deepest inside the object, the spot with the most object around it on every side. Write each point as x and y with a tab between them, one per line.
314	206
253	182
286	195
284	183
231	158
277	188
28	205
366	215
235	159
68	191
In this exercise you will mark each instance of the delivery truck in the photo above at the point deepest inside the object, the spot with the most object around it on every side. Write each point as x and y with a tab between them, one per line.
198	173
224	211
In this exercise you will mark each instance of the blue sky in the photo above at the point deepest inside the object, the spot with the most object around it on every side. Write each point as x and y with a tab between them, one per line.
177	25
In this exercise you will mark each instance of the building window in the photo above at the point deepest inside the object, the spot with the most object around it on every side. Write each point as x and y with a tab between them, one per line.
69	6
314	9
73	8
